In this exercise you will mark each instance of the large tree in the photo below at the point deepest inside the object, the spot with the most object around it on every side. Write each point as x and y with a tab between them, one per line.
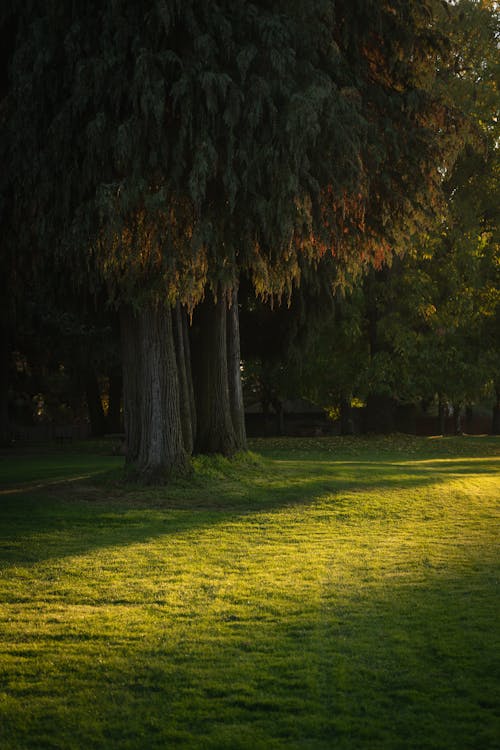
165	147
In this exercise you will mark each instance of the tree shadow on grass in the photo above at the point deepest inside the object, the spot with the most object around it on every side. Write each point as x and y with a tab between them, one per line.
382	666
73	515
21	471
386	668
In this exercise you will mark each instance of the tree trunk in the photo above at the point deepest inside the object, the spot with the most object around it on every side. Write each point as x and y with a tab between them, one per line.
183	364
495	427
346	423
215	433
441	416
234	373
457	419
277	405
154	441
113	418
94	404
189	373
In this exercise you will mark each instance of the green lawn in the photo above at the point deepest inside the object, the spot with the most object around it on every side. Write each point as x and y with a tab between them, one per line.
322	593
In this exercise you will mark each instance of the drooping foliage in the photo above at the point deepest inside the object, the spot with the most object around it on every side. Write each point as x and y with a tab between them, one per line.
164	147
170	143
428	326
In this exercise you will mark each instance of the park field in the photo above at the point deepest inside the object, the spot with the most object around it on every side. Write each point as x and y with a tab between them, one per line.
330	593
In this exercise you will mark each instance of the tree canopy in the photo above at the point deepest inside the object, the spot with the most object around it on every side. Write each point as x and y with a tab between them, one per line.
216	137
157	152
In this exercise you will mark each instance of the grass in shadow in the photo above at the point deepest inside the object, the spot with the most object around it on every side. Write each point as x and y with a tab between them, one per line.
283	600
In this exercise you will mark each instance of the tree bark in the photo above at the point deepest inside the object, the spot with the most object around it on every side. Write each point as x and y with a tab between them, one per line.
215	433
234	373
189	373
94	404
154	441
113	418
183	364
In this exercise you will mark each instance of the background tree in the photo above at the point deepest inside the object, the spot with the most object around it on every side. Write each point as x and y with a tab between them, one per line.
429	323
465	250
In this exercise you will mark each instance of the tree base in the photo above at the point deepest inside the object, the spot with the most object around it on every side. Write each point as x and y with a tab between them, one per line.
157	475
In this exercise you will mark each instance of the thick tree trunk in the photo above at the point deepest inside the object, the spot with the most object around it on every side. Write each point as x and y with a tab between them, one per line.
189	373
154	441
215	433
94	404
234	373
183	364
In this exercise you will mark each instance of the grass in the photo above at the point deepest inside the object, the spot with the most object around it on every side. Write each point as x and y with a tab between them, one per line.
320	593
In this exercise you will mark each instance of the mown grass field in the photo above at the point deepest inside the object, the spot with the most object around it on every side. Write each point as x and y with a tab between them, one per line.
321	593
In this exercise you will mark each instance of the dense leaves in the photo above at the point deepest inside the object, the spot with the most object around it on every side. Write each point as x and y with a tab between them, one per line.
157	152
165	144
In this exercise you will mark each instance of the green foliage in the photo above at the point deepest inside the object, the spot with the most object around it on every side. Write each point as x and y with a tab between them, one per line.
429	322
162	145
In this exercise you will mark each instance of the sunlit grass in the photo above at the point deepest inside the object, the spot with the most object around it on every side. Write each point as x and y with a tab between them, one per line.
316	594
